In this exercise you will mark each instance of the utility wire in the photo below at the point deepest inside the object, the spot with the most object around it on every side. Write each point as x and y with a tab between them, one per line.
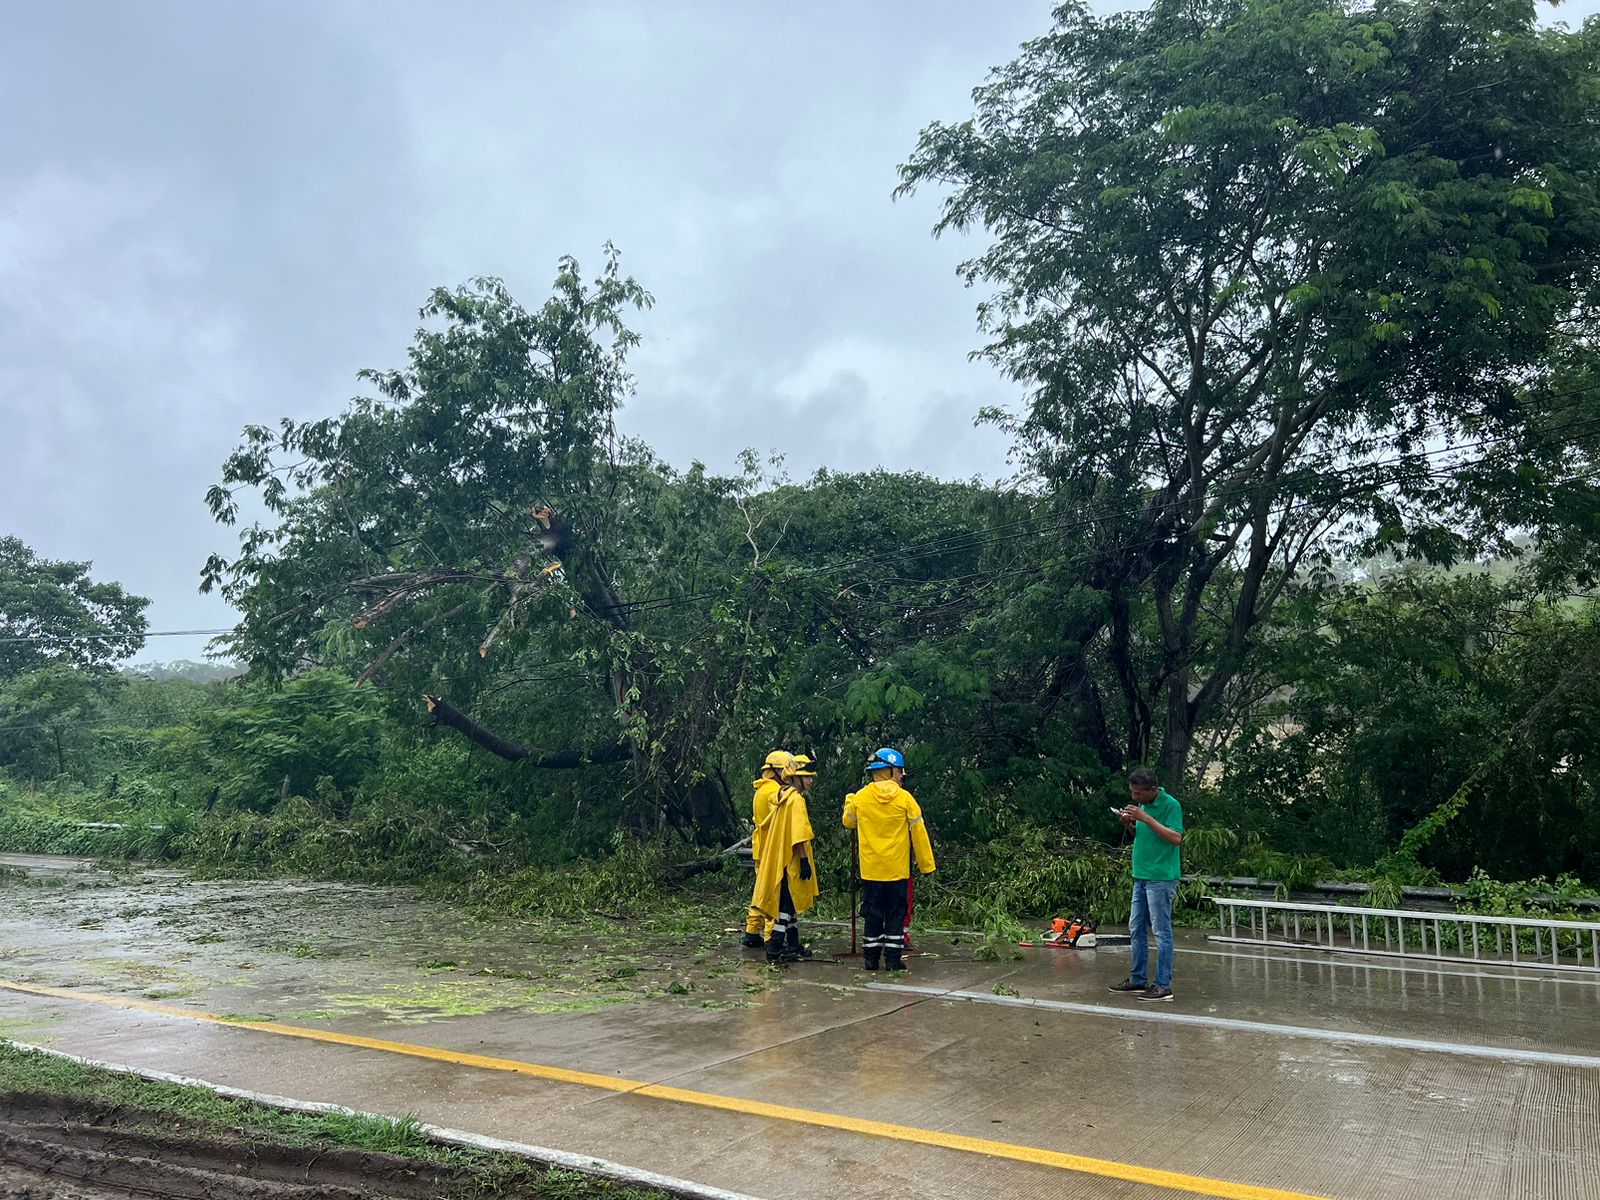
967	539
101	637
1085	518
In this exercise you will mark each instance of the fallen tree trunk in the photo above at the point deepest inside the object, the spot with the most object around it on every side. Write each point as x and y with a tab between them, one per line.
442	712
681	872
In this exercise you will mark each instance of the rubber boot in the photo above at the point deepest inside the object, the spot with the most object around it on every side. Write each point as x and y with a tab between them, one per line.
794	951
894	962
752	941
869	960
774	949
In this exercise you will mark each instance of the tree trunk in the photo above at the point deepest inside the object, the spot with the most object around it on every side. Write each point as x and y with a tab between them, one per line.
1177	732
1176	740
700	810
444	713
1120	649
1087	709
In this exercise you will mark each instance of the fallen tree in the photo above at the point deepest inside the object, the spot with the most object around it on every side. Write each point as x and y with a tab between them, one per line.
468	512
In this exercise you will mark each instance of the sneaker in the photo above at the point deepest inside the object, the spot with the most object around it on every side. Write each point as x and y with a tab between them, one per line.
1156	992
1128	985
753	941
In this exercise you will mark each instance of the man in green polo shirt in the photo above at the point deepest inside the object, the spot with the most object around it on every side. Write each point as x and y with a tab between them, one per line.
1157	823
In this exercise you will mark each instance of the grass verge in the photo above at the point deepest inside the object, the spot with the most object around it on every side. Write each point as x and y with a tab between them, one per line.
145	1103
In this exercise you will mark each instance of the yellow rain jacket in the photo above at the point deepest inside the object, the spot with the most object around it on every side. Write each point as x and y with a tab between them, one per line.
889	828
787	827
760	806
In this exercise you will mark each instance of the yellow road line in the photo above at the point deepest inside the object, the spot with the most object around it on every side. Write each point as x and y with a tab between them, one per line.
1197	1185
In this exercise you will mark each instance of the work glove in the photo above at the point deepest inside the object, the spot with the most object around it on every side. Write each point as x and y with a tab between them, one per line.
805	868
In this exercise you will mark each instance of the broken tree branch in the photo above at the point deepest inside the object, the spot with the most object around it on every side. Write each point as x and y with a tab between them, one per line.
404	640
444	713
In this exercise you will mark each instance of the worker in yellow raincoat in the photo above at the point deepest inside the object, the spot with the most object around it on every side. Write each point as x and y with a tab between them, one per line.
786	876
890	832
767	784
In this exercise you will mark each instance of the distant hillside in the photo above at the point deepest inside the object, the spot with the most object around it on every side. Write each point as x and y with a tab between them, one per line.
183	669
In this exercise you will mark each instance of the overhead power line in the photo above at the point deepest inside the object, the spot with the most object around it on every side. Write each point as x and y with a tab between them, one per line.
1090	515
106	637
1023	528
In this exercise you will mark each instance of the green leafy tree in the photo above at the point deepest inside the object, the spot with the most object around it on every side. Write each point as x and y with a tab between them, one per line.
467	499
49	711
268	744
53	613
623	634
1281	277
1454	716
151	747
479	534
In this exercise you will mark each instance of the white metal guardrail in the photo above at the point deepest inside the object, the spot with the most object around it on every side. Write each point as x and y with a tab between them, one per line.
1341	889
1398	933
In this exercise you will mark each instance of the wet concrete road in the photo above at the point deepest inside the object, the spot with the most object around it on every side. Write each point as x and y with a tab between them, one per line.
1269	1075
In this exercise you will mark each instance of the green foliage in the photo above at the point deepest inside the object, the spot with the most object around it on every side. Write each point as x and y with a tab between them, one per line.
53	614
1208	848
1254	260
1259	858
317	726
166	838
387	1135
386	845
1384	892
1033	871
33	833
43	715
1531	897
1001	931
625	881
1444	718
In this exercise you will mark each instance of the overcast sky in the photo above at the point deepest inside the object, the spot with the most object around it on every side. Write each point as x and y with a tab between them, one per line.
214	214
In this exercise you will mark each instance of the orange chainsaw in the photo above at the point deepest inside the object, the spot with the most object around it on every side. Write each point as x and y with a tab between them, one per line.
1064	934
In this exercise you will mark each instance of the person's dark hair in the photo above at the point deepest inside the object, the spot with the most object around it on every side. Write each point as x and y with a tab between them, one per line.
1143	777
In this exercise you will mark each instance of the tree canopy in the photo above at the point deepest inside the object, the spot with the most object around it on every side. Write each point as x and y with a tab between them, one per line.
1281	279
52	612
478	535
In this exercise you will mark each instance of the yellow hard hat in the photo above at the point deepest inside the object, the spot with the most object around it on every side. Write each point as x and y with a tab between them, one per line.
778	760
799	764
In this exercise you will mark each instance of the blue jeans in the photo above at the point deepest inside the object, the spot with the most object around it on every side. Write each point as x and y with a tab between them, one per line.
1152	906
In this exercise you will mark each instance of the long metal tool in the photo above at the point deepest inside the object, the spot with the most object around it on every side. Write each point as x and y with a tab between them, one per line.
855	858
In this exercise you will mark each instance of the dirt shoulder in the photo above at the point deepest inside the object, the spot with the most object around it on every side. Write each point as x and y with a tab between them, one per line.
74	1131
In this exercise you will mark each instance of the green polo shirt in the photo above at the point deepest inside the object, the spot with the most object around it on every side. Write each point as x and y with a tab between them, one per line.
1153	856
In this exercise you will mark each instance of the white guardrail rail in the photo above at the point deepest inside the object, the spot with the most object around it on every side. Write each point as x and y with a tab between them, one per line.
1397	933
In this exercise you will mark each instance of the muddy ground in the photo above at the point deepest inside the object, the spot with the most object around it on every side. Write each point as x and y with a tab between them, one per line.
308	952
68	1149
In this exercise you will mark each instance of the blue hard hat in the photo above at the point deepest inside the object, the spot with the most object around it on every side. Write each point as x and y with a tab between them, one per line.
886	757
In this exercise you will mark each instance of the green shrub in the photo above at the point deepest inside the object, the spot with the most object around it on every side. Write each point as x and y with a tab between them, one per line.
1031	870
